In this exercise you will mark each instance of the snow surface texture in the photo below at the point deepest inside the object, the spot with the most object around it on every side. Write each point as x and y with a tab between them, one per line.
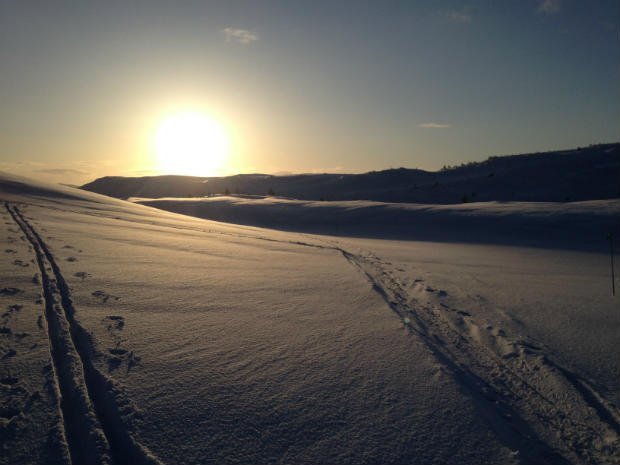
134	335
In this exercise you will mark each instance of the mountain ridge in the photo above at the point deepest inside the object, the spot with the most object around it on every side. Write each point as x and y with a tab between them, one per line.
590	173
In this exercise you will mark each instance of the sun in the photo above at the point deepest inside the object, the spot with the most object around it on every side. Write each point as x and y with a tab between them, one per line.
191	143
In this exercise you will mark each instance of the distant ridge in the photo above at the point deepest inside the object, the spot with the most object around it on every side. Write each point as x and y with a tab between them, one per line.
589	173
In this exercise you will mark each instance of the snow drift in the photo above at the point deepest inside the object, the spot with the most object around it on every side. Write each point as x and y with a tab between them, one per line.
575	225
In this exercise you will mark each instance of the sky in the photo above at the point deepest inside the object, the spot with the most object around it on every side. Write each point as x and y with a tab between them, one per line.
317	86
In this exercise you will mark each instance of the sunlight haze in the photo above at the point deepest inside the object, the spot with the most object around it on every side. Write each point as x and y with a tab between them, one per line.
191	143
323	87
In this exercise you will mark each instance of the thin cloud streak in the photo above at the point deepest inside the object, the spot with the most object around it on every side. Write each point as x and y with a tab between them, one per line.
549	7
460	16
242	36
434	125
61	171
75	173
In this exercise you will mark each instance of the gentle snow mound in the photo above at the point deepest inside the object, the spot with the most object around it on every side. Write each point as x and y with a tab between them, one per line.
575	226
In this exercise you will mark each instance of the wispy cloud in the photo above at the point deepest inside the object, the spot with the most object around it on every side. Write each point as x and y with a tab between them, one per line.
434	125
243	36
549	7
77	172
60	171
460	16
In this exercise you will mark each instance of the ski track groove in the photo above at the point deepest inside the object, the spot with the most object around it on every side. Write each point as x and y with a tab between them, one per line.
538	428
95	431
509	389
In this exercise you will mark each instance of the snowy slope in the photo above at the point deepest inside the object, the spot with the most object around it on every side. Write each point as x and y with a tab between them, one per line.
145	336
575	225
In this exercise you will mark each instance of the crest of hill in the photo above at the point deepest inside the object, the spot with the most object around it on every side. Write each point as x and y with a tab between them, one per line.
590	173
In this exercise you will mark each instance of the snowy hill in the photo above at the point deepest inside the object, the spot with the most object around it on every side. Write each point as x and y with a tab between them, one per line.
135	335
590	173
573	225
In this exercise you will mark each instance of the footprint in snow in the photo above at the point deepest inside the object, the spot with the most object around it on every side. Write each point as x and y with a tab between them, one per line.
10	310
10	251
9	353
10	291
113	362
20	263
104	296
118	356
9	380
82	275
72	259
115	322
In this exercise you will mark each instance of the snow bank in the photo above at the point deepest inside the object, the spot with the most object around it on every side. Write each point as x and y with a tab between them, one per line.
574	226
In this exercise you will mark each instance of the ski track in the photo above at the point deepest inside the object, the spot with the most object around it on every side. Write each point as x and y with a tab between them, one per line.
94	411
542	411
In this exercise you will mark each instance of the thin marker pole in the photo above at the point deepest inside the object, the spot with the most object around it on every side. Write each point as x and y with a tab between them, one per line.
610	236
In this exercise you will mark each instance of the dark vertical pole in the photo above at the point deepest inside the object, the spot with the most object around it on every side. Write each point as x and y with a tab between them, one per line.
610	236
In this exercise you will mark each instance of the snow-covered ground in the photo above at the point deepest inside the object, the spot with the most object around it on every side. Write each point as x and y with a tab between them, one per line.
572	226
135	335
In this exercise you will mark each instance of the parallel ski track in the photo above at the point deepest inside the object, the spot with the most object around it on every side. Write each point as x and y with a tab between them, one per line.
94	428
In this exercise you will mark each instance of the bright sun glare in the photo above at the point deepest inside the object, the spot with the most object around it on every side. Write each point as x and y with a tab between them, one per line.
191	143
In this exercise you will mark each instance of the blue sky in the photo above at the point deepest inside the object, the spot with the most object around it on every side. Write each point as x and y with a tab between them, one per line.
303	87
